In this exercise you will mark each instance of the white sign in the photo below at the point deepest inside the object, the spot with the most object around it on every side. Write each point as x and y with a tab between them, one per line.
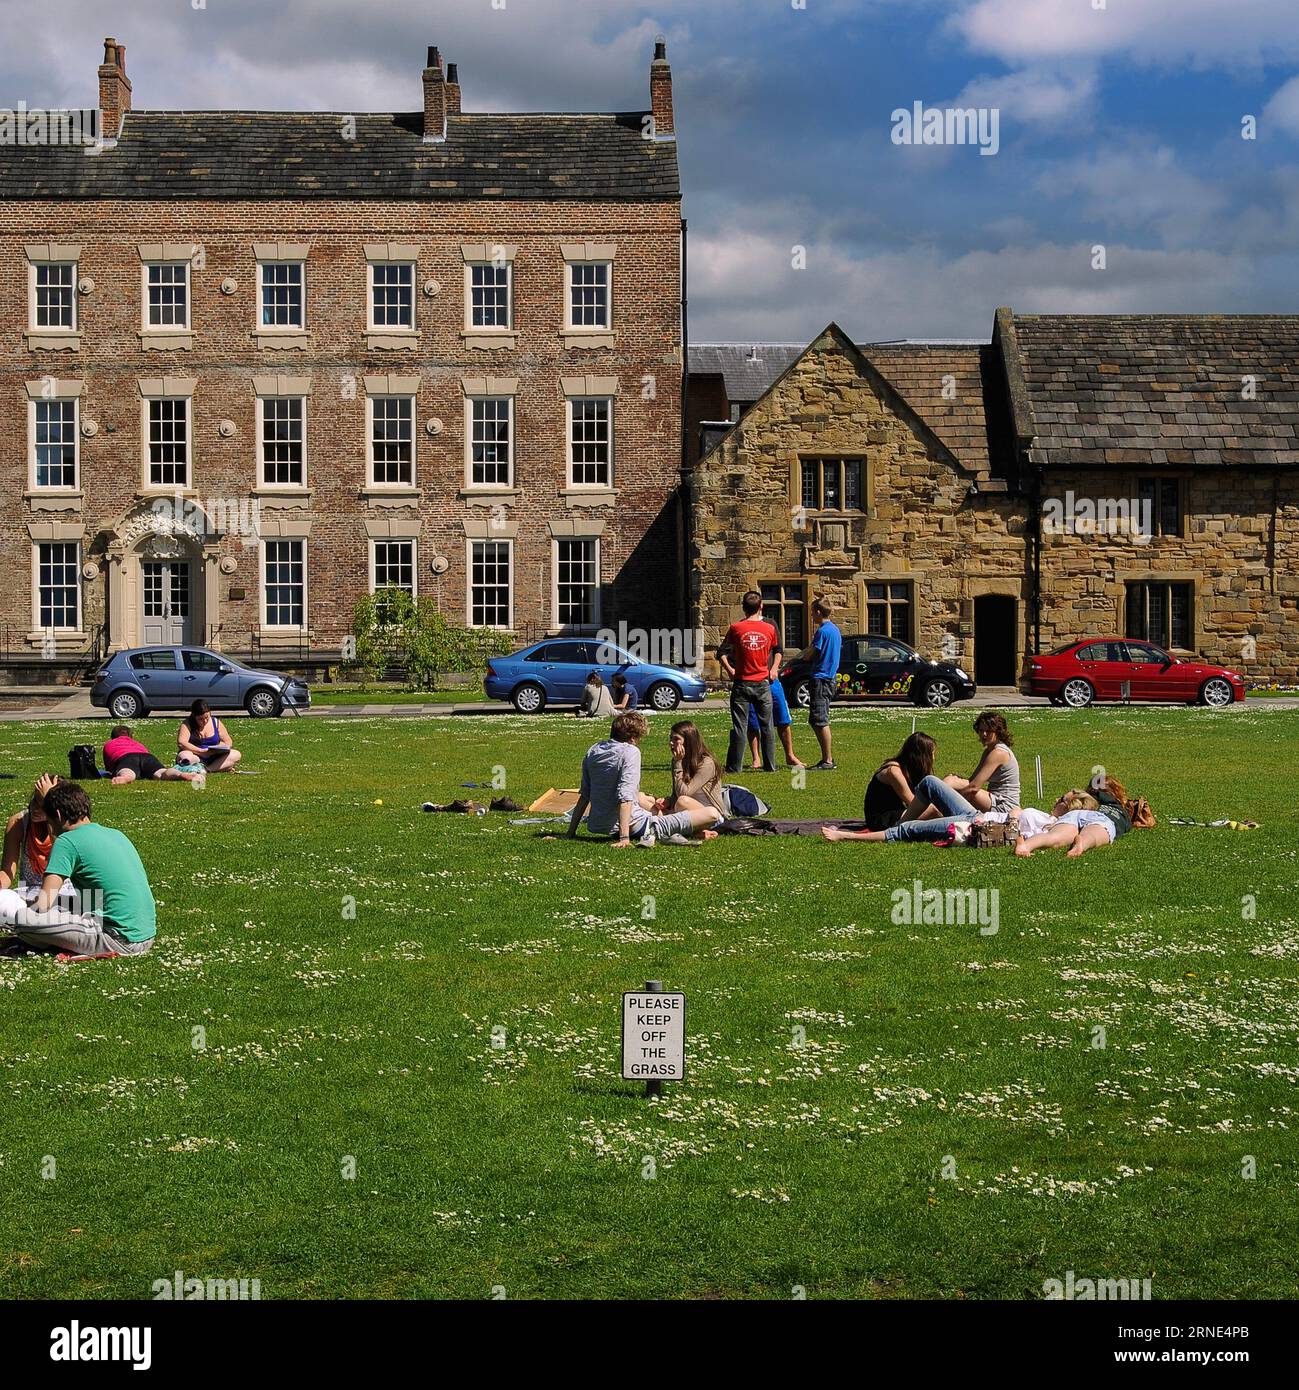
653	1037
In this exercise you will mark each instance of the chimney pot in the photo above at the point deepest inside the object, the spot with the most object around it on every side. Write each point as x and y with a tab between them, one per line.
434	57
660	50
453	89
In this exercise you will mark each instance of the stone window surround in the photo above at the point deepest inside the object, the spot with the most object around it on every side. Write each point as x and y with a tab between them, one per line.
1146	575
586	252
411	535
912	579
166	337
586	494
391	253
158	389
589	530
280	252
488	253
52	339
41	531
796	461
476	530
483	388
279	386
53	498
391	494
284	528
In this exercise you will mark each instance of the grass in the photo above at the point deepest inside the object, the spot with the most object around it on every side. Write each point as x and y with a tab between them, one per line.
387	695
331	1037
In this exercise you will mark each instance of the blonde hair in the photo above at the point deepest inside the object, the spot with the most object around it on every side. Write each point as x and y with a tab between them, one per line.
1079	801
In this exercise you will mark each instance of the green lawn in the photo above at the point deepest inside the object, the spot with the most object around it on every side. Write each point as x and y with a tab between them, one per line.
929	1048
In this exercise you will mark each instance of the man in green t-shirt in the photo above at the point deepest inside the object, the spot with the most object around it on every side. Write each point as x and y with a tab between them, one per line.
117	915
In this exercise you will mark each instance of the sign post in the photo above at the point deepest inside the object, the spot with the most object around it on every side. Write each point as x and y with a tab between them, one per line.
653	1036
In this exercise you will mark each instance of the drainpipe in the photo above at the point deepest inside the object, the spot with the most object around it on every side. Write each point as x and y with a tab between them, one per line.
1035	522
686	488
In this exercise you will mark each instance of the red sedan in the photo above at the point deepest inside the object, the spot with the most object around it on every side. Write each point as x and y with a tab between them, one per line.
1117	668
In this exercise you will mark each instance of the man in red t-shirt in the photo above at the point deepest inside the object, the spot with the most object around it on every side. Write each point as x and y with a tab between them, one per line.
750	656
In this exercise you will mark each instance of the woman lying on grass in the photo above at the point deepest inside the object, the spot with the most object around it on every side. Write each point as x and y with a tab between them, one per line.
1083	822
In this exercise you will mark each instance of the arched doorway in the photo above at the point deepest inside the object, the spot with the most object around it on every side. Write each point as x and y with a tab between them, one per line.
163	577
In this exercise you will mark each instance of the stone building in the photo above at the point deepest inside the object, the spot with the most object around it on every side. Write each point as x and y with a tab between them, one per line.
1075	476
260	363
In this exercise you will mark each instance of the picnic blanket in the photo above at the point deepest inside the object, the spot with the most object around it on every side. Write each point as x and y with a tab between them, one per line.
765	825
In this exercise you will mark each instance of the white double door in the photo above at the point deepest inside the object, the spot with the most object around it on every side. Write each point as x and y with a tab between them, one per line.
167	594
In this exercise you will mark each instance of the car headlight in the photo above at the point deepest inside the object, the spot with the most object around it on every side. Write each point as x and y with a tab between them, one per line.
961	671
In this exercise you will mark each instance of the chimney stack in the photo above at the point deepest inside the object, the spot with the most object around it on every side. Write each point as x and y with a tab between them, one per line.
661	93
435	98
114	88
453	89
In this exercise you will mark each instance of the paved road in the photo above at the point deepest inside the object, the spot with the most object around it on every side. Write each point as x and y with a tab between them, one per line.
54	705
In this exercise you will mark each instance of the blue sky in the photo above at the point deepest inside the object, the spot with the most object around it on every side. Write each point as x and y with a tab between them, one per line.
1119	125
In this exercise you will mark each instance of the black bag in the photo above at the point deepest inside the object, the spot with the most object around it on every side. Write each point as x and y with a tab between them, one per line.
81	762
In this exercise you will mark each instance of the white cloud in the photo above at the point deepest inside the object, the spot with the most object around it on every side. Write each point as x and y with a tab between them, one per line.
1205	32
1282	110
1044	98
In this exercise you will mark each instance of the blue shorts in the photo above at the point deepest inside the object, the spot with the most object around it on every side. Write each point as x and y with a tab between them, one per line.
779	710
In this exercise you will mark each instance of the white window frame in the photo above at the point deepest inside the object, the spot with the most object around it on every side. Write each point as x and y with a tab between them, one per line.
37	626
32	325
300	541
371	483
147	483
300	327
570	483
470	325
33	405
412	541
145	325
470	542
555	543
262	484
571	304
470	485
371	325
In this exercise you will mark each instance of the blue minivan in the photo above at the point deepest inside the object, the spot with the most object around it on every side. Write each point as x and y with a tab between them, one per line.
555	671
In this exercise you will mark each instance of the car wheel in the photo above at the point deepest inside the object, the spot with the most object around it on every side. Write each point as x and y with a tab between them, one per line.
803	694
529	698
263	704
938	694
1077	693
663	696
126	704
1216	692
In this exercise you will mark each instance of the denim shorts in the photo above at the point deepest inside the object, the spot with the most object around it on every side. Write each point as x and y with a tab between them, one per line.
818	709
1080	820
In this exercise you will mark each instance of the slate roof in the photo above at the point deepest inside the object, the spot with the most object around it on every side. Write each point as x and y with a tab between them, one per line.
271	154
972	426
1115	389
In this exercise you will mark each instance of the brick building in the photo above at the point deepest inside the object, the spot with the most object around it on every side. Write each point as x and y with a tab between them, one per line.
261	363
1074	476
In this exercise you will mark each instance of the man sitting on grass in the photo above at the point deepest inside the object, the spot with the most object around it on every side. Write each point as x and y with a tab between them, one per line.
127	759
117	916
618	807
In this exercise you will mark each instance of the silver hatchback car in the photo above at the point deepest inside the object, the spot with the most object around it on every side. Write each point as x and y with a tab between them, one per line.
134	682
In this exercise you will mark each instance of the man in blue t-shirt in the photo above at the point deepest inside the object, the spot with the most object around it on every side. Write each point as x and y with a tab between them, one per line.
827	644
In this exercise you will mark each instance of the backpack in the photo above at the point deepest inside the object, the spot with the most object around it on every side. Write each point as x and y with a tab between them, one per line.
740	801
81	762
1139	813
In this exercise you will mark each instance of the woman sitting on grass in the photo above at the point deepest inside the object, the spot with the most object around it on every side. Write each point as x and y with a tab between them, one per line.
596	702
696	773
994	783
892	788
203	740
28	841
1083	822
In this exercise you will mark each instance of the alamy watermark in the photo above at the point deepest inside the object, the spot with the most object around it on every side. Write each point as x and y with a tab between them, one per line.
211	517
947	125
663	646
38	125
947	907
1099	516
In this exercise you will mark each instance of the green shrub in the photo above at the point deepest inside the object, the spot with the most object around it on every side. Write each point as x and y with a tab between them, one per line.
394	630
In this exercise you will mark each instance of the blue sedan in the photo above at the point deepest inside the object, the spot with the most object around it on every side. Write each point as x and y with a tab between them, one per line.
132	683
556	670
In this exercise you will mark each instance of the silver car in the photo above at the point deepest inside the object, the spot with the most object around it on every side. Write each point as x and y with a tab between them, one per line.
135	682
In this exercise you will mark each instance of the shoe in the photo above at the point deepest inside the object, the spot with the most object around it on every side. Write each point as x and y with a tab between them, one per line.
505	803
677	838
646	841
823	767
